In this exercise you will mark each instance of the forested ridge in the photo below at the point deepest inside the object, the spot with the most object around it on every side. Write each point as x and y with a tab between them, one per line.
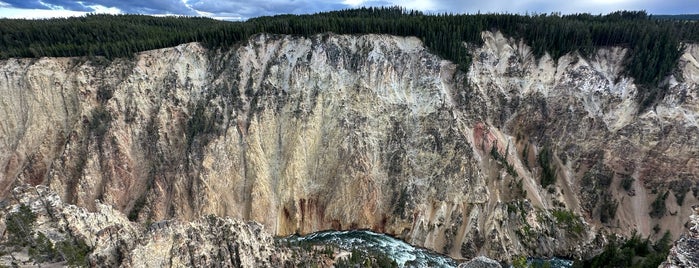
655	44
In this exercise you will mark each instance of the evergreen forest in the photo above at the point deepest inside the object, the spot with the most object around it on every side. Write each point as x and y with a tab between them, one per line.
655	43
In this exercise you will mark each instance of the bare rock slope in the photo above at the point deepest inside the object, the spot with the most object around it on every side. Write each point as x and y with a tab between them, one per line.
372	131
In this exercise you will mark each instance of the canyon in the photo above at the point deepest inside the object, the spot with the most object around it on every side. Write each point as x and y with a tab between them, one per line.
519	156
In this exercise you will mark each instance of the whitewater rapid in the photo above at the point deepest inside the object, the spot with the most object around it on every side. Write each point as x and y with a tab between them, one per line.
403	253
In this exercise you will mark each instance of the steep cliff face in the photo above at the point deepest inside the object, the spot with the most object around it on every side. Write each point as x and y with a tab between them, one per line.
372	131
585	112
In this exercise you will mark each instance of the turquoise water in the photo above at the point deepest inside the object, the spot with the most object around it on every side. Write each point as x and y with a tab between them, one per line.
403	253
553	262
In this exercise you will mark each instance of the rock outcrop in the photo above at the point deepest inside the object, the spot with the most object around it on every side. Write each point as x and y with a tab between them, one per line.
372	131
685	251
480	262
114	241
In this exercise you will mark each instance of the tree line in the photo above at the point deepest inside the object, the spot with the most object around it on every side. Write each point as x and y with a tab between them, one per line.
655	44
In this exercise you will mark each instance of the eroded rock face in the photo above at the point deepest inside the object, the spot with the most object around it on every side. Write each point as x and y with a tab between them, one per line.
685	251
114	241
373	131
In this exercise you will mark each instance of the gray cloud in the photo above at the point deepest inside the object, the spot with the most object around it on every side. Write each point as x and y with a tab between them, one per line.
145	6
37	4
568	7
248	9
126	6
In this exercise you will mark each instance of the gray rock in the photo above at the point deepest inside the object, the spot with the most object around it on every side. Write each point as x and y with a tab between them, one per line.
480	262
685	251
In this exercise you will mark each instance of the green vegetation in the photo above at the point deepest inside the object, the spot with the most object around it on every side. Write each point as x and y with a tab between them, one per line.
608	208
525	156
42	249
199	123
20	231
402	201
104	94
680	188
679	197
634	252
503	160
677	17
569	220
74	252
626	183
596	195
654	44
548	173
657	208
137	207
99	123
517	207
517	188
20	226
519	262
518	212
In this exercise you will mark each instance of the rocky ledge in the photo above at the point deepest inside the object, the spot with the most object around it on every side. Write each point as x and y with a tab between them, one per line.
40	228
685	252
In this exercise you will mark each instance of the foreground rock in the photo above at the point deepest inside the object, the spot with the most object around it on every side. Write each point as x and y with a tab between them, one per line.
685	252
480	262
113	241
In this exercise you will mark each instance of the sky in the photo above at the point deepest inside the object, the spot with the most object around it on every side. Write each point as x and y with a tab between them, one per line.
244	9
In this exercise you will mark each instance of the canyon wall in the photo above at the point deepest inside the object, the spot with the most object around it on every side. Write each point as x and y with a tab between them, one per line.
371	131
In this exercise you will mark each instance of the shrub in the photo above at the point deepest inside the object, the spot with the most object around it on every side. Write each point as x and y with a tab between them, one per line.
519	262
43	250
608	208
680	189
503	160
626	183
75	252
20	229
635	252
99	123
568	219
657	208
137	207
402	201
548	174
20	226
